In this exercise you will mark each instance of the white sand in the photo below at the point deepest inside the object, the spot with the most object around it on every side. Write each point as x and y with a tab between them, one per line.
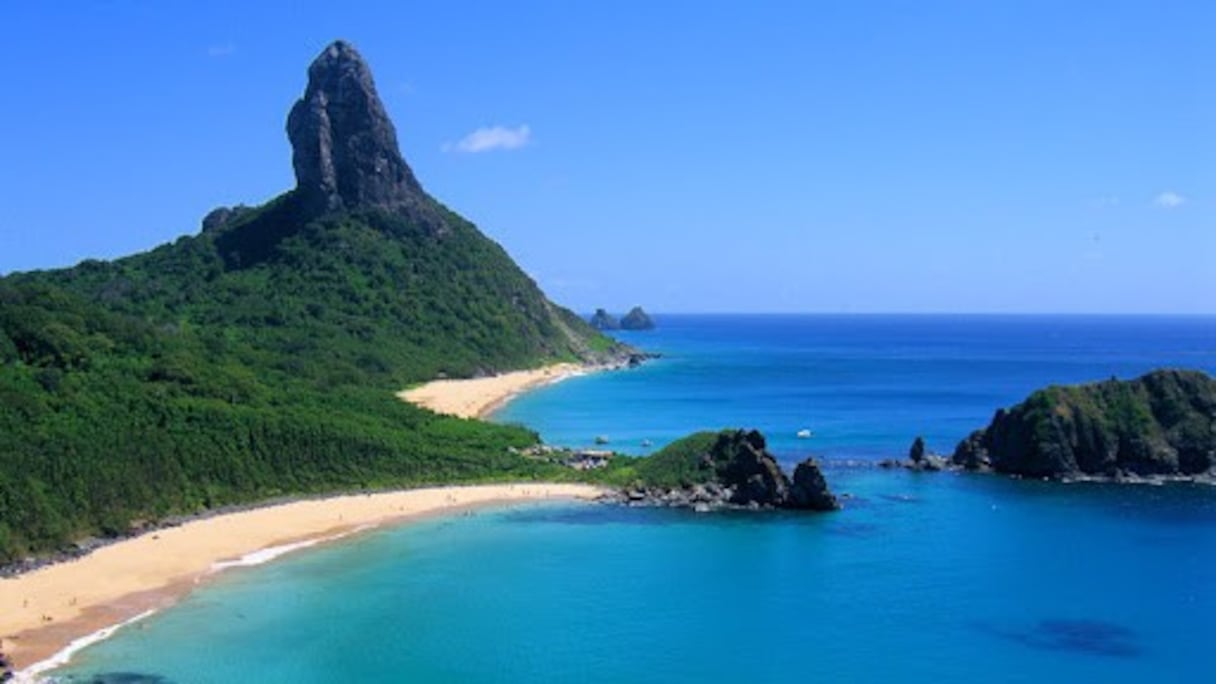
43	611
478	397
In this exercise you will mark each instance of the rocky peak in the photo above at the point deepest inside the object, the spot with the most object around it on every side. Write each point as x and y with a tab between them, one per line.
344	148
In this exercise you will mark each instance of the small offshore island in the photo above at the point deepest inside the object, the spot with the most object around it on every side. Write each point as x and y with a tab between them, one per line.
237	394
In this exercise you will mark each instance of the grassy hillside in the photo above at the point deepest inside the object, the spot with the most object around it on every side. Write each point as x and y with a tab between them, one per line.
260	357
254	360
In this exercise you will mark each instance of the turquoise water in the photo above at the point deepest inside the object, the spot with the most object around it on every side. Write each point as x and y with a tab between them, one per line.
922	578
864	385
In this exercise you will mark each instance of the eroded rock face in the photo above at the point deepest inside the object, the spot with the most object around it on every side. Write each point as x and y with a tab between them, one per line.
751	470
344	147
809	490
1161	424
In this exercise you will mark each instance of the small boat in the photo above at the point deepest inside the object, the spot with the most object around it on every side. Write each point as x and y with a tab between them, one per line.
805	434
601	439
647	443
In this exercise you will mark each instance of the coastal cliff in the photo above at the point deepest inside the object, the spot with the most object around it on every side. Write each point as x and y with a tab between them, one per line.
1161	424
730	468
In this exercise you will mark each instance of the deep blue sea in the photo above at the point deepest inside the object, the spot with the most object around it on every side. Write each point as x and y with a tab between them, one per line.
921	578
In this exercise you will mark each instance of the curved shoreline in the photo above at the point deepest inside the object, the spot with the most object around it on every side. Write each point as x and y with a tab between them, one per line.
480	397
48	609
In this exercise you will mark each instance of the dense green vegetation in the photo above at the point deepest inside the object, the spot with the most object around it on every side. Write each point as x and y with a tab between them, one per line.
1157	424
257	359
682	463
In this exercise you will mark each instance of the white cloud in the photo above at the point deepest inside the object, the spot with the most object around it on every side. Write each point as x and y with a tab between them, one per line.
1169	200
222	50
489	138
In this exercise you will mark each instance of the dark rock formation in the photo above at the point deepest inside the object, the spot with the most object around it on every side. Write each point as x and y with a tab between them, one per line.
971	453
1161	424
919	459
344	147
220	217
744	464
637	319
602	320
6	668
729	469
809	490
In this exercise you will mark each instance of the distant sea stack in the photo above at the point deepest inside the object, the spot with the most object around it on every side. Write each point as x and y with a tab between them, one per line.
602	320
637	319
1161	424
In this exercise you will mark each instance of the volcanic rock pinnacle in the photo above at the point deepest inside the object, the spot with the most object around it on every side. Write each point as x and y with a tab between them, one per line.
344	148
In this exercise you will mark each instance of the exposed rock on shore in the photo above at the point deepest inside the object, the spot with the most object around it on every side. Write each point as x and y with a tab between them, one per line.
728	469
1161	424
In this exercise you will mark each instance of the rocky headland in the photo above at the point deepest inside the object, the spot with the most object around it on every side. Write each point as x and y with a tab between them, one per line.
727	469
1159	426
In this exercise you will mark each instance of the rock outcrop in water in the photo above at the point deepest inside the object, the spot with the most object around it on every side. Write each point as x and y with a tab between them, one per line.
344	147
637	319
809	490
1161	424
919	459
602	320
731	468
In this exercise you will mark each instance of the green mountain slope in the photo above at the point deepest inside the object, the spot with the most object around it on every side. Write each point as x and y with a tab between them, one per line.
259	358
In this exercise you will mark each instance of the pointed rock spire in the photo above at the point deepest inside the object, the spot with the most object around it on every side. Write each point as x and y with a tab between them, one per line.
344	148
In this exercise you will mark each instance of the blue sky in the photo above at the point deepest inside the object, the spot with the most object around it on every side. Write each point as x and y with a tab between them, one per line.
687	156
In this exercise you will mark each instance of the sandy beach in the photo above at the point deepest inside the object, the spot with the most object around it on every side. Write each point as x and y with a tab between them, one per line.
479	397
43	611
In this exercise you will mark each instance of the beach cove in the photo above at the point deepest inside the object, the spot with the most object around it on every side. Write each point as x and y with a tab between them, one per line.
480	397
47	609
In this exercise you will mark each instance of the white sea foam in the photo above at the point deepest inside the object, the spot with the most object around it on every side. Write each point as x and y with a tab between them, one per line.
264	555
33	673
270	553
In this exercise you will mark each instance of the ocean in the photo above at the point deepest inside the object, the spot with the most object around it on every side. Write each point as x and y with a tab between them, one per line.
923	577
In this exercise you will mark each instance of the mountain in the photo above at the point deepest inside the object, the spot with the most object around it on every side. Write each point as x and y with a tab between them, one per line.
259	357
1159	424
